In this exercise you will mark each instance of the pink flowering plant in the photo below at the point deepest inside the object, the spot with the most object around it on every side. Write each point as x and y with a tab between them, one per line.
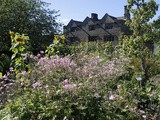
79	86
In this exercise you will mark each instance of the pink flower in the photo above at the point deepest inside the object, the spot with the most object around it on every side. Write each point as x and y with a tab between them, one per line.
42	52
31	56
90	76
80	84
38	55
43	61
36	84
11	69
23	73
4	77
69	86
65	82
25	56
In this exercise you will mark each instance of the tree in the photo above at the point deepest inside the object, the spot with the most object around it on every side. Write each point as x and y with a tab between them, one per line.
140	43
31	17
157	27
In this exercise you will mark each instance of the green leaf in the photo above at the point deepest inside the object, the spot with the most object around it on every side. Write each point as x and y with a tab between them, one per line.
15	50
148	89
81	108
1	74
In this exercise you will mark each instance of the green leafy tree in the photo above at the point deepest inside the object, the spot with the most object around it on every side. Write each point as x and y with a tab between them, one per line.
140	43
157	23
31	17
157	27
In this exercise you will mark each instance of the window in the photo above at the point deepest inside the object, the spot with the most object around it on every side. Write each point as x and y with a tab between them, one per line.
92	38
73	39
92	27
108	26
74	29
109	38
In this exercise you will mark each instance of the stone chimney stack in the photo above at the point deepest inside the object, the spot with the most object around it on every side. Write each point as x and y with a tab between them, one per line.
94	16
126	13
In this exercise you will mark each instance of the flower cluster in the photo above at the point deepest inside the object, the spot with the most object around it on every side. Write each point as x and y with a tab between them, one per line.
97	67
5	85
86	83
86	67
36	85
68	86
50	66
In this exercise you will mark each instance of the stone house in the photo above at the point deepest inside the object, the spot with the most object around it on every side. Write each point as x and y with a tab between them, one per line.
108	28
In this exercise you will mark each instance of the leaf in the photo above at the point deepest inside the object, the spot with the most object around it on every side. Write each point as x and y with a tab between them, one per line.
15	50
8	117
148	89
0	74
81	108
15	45
13	56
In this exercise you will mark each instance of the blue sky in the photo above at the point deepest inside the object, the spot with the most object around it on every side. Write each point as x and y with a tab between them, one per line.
80	9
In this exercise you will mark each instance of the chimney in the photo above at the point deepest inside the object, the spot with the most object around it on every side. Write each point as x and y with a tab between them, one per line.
94	16
126	13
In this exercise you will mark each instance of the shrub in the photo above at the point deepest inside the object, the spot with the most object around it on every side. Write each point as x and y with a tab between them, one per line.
59	87
80	86
4	63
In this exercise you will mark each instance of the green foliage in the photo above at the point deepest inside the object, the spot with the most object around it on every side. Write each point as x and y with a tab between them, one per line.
31	17
79	103
93	83
20	46
142	12
110	50
4	63
40	93
132	46
143	30
140	44
83	87
57	47
4	114
104	49
91	47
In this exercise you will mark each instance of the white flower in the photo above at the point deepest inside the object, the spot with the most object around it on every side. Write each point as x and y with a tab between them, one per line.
138	78
112	97
144	116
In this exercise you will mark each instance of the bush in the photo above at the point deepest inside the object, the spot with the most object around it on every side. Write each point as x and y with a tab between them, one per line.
4	63
59	87
92	84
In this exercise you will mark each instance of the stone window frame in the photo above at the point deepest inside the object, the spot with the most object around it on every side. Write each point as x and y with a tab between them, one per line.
92	27
108	38
92	38
74	29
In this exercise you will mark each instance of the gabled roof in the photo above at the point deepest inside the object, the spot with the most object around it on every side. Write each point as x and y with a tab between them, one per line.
72	22
121	18
100	21
87	19
107	16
